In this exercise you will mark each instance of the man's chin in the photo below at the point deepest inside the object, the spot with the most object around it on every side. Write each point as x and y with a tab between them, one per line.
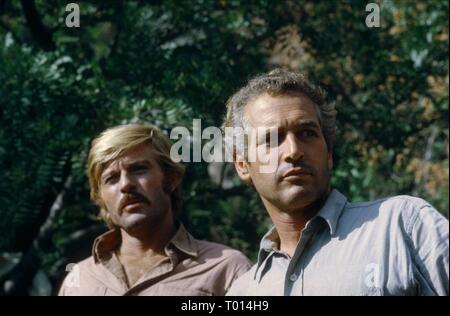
134	221
300	196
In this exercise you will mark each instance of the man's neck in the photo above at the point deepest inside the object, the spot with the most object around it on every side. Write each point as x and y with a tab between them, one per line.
151	240
140	252
289	225
289	228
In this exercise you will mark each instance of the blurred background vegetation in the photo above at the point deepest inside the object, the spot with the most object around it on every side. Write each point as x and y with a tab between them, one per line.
167	62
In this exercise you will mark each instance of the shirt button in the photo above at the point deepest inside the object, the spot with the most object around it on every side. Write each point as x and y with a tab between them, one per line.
293	277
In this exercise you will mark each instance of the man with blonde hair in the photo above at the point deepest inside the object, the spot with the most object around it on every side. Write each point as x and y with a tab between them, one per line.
147	251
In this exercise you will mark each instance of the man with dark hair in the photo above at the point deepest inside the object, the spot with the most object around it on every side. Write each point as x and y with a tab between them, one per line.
321	244
147	251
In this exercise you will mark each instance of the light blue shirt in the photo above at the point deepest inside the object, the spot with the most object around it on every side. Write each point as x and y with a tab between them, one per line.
394	246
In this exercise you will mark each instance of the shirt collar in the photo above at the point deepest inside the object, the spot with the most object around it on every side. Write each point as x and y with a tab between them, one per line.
332	210
107	243
184	241
269	244
330	213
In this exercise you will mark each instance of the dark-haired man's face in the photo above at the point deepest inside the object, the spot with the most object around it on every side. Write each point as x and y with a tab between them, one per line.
132	190
302	174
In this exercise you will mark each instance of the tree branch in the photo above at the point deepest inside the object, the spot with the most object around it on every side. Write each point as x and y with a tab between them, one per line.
19	278
40	34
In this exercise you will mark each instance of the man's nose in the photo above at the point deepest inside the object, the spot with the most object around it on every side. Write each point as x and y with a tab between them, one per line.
126	183
293	148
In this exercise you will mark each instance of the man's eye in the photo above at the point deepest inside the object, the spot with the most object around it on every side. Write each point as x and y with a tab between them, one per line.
110	179
308	133
140	169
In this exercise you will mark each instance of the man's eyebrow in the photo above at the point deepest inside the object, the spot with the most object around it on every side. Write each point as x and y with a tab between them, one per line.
138	163
307	123
107	173
299	124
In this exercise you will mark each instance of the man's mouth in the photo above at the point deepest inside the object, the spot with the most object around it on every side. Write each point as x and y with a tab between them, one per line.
296	174
132	204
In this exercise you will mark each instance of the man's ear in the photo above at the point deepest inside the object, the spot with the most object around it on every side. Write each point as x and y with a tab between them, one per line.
171	182
242	168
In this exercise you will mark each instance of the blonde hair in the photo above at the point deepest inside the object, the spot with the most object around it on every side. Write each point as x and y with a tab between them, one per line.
114	142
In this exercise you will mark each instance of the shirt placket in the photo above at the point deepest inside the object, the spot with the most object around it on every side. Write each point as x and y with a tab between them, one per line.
296	269
154	275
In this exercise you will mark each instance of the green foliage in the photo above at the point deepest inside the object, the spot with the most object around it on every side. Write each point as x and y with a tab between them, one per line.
48	104
171	61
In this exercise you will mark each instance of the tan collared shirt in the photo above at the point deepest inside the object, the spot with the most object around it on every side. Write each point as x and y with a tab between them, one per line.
192	268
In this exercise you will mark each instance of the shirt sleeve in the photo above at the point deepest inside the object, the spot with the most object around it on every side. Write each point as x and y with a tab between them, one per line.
429	232
242	265
63	290
71	284
240	285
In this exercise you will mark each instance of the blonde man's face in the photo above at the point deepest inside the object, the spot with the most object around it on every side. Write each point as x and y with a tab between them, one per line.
132	190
